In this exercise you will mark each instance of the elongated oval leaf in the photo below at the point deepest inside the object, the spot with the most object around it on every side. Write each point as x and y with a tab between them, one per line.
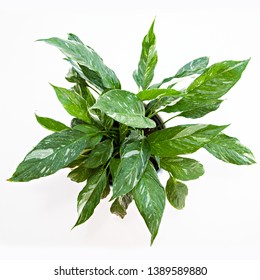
182	168
91	194
230	150
80	173
196	66
86	56
53	153
100	154
148	60
182	139
124	107
218	79
73	103
149	196
176	193
134	159
194	107
51	124
150	94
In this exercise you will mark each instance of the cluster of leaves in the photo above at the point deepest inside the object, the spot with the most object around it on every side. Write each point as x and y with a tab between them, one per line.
115	142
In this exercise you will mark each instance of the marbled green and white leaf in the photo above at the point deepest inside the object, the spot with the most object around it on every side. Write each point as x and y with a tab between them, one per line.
120	205
176	193
149	196
51	124
182	139
124	107
100	154
80	173
150	94
218	79
73	103
53	153
229	149
90	195
148	60
133	162
182	168
86	56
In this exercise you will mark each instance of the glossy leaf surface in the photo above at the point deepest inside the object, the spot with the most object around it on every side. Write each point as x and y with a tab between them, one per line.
148	60
149	196
51	124
150	94
230	150
73	103
182	139
120	205
91	194
124	107
176	193
53	153
86	56
182	168
134	159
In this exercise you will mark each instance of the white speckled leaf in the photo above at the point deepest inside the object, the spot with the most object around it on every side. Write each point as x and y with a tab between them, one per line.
53	153
133	162
150	94
124	107
91	194
230	150
149	196
51	124
182	168
176	193
86	56
218	79
148	60
182	139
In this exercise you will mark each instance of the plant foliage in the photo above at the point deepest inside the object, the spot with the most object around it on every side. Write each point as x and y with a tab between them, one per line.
115	143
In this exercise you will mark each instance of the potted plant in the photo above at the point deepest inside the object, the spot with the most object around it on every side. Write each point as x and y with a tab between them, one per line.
116	141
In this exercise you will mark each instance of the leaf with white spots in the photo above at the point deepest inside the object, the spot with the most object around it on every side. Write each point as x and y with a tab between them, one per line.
51	124
176	193
182	168
148	60
90	195
53	153
218	79
150	94
94	67
73	103
149	196
124	107
134	159
182	139
230	150
120	205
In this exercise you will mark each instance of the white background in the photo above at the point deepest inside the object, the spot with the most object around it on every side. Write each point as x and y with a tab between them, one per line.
221	217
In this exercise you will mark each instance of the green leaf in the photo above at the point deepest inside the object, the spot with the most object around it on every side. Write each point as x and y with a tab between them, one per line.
53	153
51	124
100	154
73	103
150	94
149	197
114	163
120	205
75	38
196	66
134	159
124	107
182	168
182	139
148	60
218	79
123	131
229	149
106	191
91	194
160	103
86	56
194	107
80	173
176	193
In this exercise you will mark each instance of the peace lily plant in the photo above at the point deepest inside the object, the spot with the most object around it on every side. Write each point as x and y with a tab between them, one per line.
116	142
